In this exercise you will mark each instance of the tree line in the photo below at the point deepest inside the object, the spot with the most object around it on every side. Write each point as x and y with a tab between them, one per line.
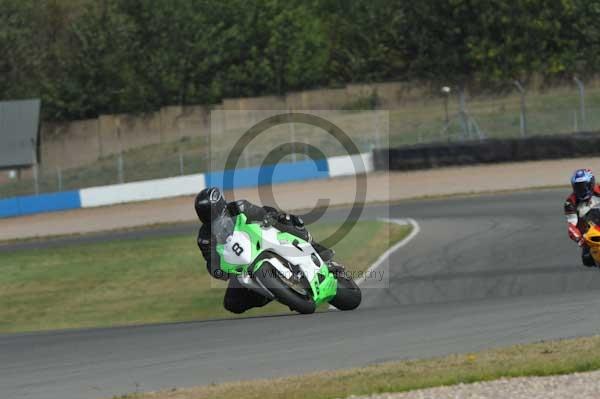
91	57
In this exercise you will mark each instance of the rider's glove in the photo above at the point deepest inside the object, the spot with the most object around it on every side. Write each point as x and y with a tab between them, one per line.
293	220
284	218
297	221
234	208
575	234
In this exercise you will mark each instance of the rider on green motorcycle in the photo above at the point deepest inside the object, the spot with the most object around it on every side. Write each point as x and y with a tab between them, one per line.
210	205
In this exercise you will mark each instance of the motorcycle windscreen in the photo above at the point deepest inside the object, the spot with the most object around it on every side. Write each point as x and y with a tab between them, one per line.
237	245
222	228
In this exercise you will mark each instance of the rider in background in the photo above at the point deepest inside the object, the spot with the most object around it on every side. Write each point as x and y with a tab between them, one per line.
210	205
585	195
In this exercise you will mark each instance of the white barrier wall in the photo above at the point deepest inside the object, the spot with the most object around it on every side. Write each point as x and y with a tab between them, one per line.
345	165
142	191
189	185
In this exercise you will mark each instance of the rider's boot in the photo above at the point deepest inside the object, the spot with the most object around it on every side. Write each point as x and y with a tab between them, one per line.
239	299
586	257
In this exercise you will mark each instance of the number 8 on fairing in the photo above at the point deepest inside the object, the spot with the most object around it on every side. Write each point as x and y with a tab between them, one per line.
237	249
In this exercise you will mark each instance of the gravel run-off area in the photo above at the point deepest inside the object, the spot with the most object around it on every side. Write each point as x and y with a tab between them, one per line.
578	386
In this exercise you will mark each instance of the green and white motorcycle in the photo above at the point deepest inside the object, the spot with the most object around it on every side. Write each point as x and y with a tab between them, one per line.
281	266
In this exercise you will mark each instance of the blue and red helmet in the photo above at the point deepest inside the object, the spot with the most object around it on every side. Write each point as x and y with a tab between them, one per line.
583	183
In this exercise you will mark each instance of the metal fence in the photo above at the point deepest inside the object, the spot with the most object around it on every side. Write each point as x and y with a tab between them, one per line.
448	117
518	113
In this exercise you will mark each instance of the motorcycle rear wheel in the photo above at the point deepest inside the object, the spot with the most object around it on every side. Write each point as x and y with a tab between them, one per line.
268	276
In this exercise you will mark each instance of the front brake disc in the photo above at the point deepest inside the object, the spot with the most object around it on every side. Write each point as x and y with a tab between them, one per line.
294	285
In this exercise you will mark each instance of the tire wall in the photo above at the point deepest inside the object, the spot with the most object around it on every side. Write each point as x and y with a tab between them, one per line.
487	151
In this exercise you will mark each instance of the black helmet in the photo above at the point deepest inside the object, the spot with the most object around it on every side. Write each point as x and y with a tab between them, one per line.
210	204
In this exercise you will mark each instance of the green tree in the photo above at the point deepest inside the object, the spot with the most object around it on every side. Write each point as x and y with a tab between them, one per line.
586	31
88	57
97	75
366	38
20	60
273	46
491	40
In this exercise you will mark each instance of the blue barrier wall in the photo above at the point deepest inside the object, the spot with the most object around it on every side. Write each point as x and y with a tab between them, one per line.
271	174
28	205
9	207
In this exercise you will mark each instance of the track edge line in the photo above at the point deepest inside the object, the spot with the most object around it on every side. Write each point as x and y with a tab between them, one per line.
416	229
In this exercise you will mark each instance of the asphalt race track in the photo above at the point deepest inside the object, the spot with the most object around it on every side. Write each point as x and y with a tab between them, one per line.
483	272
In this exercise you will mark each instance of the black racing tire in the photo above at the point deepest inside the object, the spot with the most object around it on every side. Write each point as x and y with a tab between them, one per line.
348	295
268	276
587	259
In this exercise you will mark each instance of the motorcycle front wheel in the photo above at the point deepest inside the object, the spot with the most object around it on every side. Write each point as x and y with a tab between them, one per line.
348	295
268	276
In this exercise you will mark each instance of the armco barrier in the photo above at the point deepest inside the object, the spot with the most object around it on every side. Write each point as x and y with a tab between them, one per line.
487	151
186	185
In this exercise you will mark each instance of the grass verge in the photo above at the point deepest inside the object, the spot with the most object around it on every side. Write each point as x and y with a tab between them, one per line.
140	281
538	359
